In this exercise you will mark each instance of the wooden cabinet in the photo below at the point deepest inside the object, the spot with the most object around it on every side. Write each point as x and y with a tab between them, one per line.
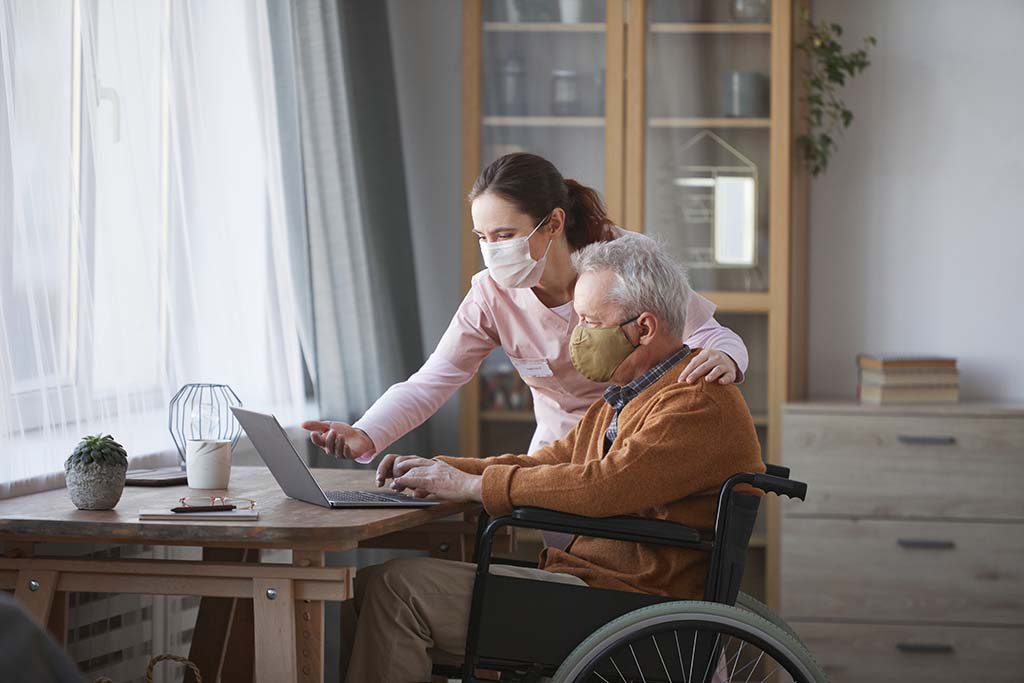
904	563
670	109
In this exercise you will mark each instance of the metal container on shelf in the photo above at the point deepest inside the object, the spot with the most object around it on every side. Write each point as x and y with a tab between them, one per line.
745	94
754	11
565	92
512	88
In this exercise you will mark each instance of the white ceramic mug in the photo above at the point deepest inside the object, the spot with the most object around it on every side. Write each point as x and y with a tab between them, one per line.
208	463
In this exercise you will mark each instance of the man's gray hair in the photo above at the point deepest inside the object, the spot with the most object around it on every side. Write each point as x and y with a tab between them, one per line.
646	278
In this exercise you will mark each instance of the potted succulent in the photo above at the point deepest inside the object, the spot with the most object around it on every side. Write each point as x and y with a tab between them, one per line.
95	473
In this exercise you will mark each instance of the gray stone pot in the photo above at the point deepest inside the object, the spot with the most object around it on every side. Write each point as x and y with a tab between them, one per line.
95	486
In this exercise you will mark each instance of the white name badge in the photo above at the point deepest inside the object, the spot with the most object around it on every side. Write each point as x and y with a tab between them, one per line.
532	367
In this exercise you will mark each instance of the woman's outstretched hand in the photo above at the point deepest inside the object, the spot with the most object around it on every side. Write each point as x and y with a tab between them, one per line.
339	439
713	366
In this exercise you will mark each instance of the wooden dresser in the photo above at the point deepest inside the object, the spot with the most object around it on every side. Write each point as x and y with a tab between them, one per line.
906	561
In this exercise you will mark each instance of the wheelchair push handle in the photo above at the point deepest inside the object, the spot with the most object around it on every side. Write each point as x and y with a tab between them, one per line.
769	483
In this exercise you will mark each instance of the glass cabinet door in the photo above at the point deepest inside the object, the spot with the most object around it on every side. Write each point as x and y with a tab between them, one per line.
542	89
706	138
543	83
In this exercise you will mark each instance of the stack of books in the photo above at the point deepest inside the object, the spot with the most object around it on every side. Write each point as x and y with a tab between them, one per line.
906	379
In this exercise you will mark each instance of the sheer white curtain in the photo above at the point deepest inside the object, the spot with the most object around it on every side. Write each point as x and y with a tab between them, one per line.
144	236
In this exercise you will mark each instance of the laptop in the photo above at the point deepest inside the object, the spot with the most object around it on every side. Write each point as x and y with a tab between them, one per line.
297	481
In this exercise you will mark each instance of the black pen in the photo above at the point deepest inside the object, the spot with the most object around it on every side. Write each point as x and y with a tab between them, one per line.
204	508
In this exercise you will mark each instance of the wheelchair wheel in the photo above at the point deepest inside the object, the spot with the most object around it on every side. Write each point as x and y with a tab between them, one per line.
690	642
752	604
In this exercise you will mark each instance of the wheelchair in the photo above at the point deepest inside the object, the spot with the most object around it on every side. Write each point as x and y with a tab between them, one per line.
527	630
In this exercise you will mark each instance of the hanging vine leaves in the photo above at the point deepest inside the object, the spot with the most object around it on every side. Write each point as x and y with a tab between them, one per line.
828	70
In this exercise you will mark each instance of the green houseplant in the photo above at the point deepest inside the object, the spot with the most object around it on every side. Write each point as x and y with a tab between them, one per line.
828	70
95	473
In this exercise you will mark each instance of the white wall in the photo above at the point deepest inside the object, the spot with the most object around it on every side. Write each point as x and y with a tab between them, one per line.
426	44
917	229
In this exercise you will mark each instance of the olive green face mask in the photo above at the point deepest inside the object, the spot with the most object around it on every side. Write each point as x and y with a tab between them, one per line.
597	352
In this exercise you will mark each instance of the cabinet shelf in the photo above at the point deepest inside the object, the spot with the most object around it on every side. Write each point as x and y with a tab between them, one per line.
719	122
721	28
545	121
740	302
542	27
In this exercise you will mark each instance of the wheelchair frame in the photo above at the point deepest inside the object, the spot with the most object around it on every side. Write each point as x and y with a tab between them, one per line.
517	645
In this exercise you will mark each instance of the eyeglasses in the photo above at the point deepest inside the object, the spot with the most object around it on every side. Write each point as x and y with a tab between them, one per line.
205	501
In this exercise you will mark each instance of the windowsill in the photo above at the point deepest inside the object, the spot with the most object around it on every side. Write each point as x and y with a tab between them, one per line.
144	436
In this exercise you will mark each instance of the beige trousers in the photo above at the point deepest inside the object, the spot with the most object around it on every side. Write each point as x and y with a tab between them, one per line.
413	612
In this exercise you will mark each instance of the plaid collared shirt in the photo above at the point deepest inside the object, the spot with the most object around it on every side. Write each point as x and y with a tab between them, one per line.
618	396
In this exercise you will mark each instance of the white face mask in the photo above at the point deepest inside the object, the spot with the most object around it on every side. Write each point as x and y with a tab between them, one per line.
509	262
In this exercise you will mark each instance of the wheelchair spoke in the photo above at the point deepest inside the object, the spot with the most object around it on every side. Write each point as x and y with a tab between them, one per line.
714	649
638	667
736	663
601	677
682	669
754	667
766	678
617	670
749	665
668	676
693	652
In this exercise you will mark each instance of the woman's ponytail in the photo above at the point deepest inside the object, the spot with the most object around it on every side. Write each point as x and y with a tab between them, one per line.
588	220
536	187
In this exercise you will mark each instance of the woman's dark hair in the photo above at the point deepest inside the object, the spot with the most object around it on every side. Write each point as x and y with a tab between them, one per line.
536	187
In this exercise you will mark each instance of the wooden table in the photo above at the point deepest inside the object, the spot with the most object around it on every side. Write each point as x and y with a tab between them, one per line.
286	601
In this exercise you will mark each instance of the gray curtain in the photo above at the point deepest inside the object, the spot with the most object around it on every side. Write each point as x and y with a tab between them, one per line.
365	315
286	91
349	169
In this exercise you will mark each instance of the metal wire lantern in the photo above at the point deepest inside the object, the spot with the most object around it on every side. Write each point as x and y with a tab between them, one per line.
203	411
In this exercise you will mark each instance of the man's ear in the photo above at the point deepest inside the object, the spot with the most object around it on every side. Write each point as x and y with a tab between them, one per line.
647	325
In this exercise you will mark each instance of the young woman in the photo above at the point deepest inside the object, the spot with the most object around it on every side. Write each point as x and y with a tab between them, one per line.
529	219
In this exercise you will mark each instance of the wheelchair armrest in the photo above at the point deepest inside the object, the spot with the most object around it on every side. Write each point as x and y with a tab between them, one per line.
776	470
510	562
637	529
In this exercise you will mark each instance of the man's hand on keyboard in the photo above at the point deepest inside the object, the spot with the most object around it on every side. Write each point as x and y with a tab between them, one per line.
391	466
429	478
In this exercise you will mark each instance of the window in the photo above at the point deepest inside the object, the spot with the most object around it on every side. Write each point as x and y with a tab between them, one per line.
143	241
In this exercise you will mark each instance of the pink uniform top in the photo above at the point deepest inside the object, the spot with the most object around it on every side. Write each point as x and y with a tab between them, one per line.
536	340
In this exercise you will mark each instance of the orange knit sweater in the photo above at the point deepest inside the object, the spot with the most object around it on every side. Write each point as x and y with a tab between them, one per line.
676	445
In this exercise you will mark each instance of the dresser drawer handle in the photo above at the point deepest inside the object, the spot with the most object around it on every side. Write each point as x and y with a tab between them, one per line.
924	648
924	544
912	440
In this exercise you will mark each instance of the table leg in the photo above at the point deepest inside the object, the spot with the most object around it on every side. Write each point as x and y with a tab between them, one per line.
58	622
35	591
274	611
309	620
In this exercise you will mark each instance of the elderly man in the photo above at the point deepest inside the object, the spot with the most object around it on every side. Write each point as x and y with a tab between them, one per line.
653	447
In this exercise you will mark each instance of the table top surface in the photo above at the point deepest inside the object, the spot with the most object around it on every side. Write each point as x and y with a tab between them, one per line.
283	522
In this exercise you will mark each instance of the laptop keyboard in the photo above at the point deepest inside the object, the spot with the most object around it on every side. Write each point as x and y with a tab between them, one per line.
357	497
